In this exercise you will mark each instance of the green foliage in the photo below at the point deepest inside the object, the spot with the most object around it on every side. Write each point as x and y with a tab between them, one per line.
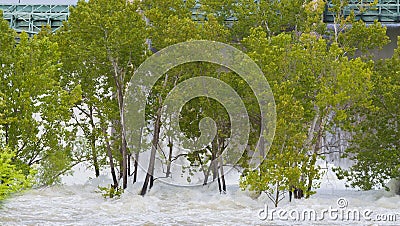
355	37
375	145
53	86
316	87
102	43
35	108
287	164
274	17
12	179
111	192
171	22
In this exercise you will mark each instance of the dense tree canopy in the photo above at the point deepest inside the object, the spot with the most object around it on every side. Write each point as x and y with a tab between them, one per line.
62	95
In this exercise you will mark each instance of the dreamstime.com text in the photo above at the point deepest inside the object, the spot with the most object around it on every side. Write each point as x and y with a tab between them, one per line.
339	213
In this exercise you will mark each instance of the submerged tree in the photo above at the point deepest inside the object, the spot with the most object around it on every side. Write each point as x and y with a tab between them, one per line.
106	43
323	85
375	145
35	107
170	22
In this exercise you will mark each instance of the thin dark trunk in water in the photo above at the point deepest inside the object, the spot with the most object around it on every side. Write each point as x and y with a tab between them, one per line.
277	195
119	82
136	167
221	165
214	159
206	175
111	159
124	149
295	193
298	193
156	136
124	167
93	144
170	145
129	165
94	156
219	184
203	169
215	165
222	175
151	181
149	175
136	163
121	167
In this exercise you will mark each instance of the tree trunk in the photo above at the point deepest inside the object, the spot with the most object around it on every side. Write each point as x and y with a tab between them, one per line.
94	156
170	145
119	82
213	165
136	164
298	193
310	177
277	195
314	155
149	175
206	175
221	167
129	165
156	136
214	159
93	143
219	184
221	147
121	165
123	146
216	164
203	168
151	181
111	159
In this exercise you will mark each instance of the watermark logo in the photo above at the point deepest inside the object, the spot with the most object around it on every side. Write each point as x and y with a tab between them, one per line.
203	86
342	203
339	213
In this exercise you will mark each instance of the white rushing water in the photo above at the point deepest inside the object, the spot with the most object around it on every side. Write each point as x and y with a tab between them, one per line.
77	203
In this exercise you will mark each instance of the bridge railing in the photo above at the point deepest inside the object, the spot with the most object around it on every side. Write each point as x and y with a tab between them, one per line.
31	18
385	11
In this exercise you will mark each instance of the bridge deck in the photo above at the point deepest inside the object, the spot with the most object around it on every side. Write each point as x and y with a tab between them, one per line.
30	18
385	11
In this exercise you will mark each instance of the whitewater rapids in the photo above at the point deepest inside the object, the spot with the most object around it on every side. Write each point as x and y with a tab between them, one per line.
77	203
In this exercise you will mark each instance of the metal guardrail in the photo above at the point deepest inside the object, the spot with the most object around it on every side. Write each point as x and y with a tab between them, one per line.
385	11
31	18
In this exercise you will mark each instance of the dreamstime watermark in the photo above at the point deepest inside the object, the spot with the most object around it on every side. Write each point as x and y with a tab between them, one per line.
341	212
217	53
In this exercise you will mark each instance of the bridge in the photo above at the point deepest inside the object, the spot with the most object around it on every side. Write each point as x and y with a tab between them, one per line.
385	11
31	18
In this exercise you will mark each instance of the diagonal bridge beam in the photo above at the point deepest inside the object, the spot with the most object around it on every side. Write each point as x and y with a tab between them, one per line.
31	18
